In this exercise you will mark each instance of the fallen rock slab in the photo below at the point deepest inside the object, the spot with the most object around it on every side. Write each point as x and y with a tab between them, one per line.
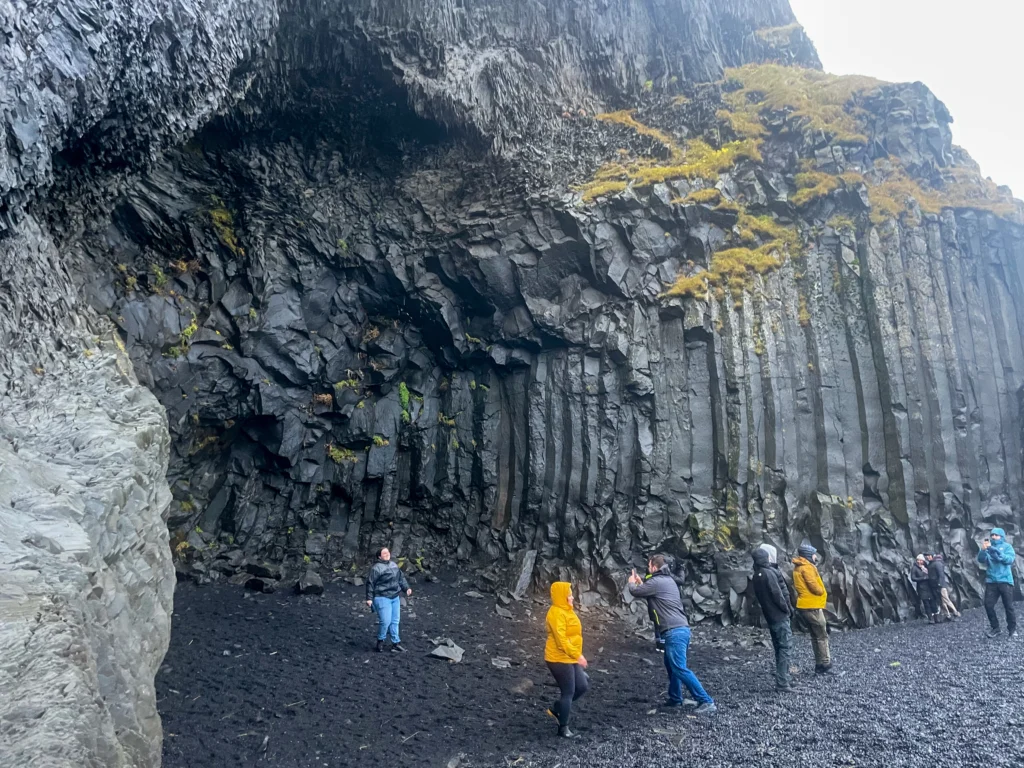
310	584
450	652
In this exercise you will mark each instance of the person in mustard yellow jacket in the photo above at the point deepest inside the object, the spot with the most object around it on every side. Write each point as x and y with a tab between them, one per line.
810	602
563	653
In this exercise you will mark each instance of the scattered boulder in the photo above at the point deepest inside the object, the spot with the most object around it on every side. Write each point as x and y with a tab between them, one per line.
448	650
474	594
501	662
310	584
265	570
523	687
505	613
259	584
521	573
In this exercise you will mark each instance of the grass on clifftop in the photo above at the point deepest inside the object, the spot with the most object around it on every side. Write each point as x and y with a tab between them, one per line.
699	160
625	117
823	100
963	187
733	269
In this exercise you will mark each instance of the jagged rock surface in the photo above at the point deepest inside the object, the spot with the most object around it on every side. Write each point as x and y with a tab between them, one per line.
85	568
327	258
375	314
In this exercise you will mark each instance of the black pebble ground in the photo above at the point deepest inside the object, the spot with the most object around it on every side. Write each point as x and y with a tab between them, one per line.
280	680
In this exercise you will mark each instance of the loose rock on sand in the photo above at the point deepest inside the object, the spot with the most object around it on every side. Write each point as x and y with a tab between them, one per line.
953	700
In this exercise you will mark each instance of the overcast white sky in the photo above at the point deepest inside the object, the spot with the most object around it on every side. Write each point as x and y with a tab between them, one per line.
971	54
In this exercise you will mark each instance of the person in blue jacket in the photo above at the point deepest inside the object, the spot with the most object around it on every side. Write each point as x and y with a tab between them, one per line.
997	557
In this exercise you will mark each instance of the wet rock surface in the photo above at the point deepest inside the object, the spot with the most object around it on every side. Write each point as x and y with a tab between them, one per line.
309	686
343	245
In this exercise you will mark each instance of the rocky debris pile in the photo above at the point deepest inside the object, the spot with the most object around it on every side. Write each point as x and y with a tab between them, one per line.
910	674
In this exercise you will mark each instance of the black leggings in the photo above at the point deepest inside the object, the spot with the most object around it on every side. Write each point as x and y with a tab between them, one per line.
573	683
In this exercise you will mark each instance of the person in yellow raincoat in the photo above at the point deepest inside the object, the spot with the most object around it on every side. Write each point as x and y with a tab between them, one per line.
811	598
563	653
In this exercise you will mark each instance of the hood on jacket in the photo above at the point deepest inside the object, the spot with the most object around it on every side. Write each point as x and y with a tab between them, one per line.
802	561
560	591
773	554
761	557
998	532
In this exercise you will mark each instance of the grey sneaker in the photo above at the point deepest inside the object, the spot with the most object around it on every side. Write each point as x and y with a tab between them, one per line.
993	633
397	648
707	708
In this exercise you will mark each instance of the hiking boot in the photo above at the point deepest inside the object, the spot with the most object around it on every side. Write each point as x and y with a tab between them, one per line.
659	647
565	733
671	705
993	632
397	648
708	708
380	646
821	669
786	688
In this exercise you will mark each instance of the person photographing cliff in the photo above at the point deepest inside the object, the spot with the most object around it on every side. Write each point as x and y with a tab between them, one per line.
563	653
996	557
384	586
659	641
662	595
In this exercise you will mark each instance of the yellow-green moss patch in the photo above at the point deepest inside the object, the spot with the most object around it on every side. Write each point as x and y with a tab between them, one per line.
821	99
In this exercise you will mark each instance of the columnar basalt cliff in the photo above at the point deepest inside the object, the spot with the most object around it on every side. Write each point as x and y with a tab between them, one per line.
575	280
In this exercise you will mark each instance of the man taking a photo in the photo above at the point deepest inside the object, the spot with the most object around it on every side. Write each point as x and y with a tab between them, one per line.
662	595
997	557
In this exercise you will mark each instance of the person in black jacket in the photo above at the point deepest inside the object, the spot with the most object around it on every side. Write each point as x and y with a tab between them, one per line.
919	575
939	580
384	586
772	594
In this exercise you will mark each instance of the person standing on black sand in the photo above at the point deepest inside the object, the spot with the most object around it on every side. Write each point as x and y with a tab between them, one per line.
773	596
384	586
563	653
919	575
940	585
997	557
659	641
662	595
811	599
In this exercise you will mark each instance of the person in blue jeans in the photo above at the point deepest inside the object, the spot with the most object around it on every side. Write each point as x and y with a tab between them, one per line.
384	587
662	595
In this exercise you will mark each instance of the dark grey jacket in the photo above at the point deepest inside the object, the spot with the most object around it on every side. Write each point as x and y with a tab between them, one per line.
385	580
662	595
770	589
937	573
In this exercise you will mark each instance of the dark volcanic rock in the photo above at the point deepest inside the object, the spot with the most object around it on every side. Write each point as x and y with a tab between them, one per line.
341	243
310	584
893	689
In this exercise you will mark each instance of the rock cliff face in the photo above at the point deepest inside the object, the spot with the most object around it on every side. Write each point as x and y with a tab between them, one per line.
558	278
